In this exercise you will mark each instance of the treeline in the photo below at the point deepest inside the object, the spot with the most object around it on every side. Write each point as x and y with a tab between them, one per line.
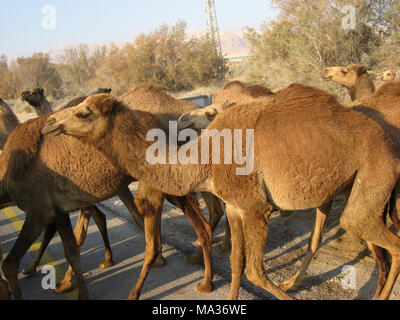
164	57
310	35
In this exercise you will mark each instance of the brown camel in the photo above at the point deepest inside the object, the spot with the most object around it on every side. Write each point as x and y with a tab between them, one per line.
294	174
388	75
354	78
146	97
8	121
384	108
45	195
4	291
37	99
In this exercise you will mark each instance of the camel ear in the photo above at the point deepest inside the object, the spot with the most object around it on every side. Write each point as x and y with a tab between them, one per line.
362	69
107	106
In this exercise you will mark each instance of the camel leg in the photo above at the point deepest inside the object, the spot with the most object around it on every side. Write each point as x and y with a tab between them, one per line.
255	233
237	253
202	228
190	206
49	233
321	216
383	265
4	290
128	200
71	251
150	203
216	213
101	223
80	233
31	230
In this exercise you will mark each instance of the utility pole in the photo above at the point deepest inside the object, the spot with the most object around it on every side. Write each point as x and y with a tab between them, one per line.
213	30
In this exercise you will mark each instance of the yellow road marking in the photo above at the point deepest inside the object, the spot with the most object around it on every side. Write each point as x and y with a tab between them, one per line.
47	258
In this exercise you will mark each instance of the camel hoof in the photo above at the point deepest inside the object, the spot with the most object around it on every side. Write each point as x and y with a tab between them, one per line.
29	272
194	259
288	286
133	296
106	264
159	262
204	287
63	287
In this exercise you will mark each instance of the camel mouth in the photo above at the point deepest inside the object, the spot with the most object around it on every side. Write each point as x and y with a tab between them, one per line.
51	128
184	125
24	96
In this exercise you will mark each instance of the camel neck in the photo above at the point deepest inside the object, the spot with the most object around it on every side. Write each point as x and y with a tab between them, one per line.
44	107
363	89
128	147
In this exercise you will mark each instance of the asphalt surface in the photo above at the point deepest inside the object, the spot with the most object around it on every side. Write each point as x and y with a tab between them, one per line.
326	278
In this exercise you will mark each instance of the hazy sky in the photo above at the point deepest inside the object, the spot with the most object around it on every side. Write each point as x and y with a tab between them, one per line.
76	21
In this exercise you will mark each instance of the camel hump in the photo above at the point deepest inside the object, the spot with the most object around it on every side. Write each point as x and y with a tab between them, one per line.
233	84
257	90
302	92
389	88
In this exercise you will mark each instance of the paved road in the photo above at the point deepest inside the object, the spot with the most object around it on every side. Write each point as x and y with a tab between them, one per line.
286	243
174	281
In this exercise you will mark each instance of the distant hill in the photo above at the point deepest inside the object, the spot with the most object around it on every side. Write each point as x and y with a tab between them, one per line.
232	43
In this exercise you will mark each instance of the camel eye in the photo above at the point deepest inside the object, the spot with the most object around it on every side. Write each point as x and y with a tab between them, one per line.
210	116
345	72
81	115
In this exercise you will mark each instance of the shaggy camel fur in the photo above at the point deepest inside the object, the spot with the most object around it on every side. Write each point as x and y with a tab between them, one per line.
145	97
4	291
37	99
354	78
166	109
388	75
384	108
292	175
36	176
8	121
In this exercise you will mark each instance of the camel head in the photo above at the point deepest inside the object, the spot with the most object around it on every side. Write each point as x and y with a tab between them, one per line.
101	90
346	76
200	118
388	75
89	120
33	97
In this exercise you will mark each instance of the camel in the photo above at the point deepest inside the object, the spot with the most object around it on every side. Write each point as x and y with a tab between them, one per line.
354	78
147	97
37	99
294	173
50	177
8	121
383	107
388	75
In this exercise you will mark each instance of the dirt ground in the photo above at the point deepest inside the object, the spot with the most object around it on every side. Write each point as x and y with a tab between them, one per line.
286	244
